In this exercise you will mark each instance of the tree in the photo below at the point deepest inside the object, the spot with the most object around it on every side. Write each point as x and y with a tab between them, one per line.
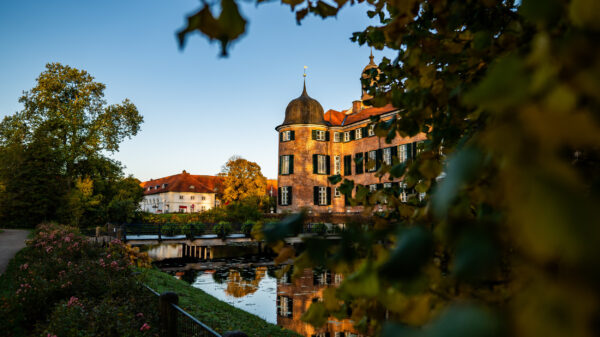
242	179
505	243
52	163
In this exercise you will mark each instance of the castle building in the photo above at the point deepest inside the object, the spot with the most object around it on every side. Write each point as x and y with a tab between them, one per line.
314	145
180	193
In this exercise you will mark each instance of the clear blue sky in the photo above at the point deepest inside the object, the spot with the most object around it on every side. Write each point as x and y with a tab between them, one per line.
199	109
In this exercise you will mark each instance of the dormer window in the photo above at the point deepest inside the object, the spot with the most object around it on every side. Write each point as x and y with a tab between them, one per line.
157	186
192	187
165	185
150	188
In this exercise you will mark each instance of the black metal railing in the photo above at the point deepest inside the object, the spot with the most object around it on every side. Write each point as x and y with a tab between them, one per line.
163	231
176	322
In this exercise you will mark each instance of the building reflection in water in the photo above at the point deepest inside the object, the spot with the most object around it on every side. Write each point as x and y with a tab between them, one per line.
293	299
237	286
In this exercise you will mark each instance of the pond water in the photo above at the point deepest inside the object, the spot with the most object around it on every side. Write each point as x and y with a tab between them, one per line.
252	286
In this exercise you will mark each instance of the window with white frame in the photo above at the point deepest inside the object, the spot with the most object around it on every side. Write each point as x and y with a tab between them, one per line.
165	185
285	306
192	197
287	136
337	193
372	187
337	137
285	195
358	133
321	164
371	130
203	198
285	164
372	161
181	197
337	165
320	135
322	195
387	156
402	153
403	194
347	136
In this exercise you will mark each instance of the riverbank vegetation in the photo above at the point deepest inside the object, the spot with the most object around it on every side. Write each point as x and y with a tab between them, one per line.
217	314
62	284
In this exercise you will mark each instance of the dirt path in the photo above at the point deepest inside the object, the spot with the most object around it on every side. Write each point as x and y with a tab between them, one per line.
11	241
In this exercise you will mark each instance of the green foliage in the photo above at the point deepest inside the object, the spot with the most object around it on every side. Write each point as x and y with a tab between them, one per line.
507	95
319	228
87	290
52	162
247	227
223	229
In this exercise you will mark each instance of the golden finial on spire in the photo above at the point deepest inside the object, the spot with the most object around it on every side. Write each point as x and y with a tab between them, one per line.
305	67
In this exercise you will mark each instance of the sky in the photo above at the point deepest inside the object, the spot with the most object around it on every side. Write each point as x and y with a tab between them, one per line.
199	109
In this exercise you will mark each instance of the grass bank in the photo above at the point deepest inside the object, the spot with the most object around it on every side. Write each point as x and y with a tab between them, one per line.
216	314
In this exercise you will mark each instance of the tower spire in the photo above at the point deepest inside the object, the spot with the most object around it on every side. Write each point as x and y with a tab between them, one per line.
304	75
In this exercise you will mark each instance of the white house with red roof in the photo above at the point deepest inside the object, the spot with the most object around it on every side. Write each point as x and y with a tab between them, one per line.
180	193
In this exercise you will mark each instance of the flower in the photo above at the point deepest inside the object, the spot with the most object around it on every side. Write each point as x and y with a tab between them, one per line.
73	301
145	327
24	266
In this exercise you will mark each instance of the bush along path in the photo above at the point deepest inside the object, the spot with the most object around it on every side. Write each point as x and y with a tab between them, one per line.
218	315
11	241
62	284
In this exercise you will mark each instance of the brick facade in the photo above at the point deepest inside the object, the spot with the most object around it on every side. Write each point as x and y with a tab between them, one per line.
302	145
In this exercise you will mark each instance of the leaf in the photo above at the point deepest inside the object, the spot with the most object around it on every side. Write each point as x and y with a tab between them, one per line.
412	251
316	315
324	10
461	168
544	11
291	225
585	13
334	180
464	321
505	84
475	255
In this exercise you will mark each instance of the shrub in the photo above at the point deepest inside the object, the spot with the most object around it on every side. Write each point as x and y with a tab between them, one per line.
193	229
247	227
58	267
222	229
319	228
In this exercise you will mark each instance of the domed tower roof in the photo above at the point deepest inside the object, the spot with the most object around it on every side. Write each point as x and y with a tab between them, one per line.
304	110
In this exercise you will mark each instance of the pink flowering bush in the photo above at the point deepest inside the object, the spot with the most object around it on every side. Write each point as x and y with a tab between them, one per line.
66	285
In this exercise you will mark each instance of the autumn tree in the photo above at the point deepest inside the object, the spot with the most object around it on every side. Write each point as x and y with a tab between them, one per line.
242	180
505	243
52	153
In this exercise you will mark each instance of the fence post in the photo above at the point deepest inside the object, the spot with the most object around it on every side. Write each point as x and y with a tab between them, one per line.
119	234
168	315
159	232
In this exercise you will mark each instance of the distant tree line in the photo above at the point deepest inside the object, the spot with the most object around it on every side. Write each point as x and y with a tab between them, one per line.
53	163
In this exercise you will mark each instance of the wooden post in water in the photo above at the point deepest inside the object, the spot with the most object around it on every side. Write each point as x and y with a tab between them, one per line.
168	315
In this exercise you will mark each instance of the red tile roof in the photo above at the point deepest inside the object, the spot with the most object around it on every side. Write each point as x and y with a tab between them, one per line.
368	112
335	118
183	182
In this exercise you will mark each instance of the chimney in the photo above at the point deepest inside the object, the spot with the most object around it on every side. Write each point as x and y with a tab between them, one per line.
356	106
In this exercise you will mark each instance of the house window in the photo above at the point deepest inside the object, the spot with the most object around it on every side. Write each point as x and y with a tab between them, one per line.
387	185
181	197
372	187
347	136
420	146
371	129
284	195
321	164
150	188
165	185
322	195
337	192
402	153
372	161
387	156
337	137
203	208
358	133
321	135
285	306
286	165
347	165
157	186
286	136
203	198
337	167
192	197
